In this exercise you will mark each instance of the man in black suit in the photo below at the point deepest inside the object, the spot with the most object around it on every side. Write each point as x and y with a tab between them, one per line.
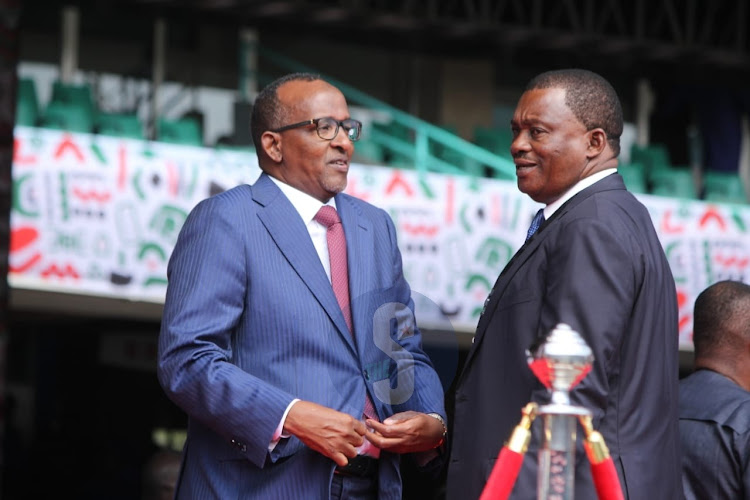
596	264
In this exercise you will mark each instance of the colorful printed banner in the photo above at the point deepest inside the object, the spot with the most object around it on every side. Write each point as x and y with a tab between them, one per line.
99	215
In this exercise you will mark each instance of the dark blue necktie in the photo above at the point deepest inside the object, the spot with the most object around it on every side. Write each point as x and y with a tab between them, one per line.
535	223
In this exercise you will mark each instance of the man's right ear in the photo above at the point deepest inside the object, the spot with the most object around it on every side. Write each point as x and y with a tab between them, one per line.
271	142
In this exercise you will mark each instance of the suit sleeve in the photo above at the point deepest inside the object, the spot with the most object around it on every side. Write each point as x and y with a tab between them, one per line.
208	279
428	394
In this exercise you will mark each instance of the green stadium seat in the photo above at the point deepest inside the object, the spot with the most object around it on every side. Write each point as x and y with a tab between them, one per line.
494	139
366	151
449	155
723	187
676	182
497	140
653	156
27	103
398	131
180	131
634	175
119	125
63	116
72	94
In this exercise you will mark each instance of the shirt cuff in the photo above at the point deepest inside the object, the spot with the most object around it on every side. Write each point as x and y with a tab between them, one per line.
278	434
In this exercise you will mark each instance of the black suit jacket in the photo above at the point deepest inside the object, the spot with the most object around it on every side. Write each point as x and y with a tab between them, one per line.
597	265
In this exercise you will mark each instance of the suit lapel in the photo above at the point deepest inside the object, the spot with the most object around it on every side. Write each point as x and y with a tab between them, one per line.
291	236
359	244
515	263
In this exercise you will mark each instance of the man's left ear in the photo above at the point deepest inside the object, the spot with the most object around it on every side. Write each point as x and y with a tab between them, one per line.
597	142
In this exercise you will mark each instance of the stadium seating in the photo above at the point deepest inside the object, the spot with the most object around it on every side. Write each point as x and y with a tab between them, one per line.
367	151
66	116
634	175
180	131
653	157
723	187
494	139
675	182
74	95
119	125
73	108
27	103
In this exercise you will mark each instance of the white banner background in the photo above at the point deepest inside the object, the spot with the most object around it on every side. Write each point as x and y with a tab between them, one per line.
99	215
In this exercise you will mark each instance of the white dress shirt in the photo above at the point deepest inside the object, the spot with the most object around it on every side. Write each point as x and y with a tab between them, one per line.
577	188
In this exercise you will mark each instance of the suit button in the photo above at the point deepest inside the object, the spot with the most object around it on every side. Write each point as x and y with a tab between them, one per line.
239	445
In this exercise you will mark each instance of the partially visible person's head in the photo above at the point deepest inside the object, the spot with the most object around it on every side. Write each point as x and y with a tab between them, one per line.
566	127
721	325
721	318
160	474
299	155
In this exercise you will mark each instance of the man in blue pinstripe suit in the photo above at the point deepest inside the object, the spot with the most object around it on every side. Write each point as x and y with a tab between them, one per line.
254	346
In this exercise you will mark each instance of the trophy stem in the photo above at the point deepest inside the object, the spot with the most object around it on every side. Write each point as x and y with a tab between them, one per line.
556	479
560	363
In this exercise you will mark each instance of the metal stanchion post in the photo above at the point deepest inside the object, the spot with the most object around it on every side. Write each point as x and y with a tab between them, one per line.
560	363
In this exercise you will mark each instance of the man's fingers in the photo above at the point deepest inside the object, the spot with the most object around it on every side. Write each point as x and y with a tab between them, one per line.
380	441
395	430
385	430
357	440
398	417
379	427
340	459
359	427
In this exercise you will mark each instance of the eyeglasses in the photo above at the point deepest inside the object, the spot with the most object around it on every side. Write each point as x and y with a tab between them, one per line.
328	127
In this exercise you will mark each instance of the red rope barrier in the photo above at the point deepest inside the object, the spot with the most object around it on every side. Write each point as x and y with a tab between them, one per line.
603	471
509	460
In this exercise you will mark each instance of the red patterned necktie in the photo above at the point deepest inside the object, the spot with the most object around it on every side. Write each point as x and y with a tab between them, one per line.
328	216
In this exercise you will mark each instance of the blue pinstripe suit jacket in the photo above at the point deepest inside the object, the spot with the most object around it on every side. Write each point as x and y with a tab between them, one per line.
251	322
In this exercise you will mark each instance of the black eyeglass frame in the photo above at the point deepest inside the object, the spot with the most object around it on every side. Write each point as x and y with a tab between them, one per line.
339	124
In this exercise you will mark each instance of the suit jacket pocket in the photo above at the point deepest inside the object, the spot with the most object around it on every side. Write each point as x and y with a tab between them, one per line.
514	297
